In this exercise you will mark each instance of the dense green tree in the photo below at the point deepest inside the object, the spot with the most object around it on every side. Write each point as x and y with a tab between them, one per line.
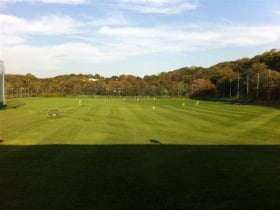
256	78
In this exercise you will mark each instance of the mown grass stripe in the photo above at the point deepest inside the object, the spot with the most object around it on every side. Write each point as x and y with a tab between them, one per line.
118	121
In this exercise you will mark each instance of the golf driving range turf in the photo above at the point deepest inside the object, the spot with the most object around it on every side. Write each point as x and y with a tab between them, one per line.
115	153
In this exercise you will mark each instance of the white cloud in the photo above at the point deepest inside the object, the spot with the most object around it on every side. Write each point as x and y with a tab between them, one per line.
249	35
11	40
74	2
15	29
110	39
183	39
48	25
47	60
107	21
158	6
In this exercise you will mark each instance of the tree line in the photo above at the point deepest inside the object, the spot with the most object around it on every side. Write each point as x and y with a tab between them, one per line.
256	78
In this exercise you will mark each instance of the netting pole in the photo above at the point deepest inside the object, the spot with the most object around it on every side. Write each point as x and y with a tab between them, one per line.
2	83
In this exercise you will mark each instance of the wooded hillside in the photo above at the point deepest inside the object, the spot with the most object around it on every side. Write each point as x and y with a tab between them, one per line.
255	78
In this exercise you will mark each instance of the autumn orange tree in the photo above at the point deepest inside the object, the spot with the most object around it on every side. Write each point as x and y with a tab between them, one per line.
202	88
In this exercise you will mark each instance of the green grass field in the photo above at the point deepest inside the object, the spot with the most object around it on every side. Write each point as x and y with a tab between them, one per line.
118	121
120	154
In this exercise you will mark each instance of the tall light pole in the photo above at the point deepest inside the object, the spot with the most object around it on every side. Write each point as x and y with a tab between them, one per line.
2	84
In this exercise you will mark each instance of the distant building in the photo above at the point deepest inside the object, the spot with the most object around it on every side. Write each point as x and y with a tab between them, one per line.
93	79
2	84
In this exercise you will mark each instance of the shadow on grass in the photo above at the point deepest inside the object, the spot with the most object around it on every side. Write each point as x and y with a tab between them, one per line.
154	141
13	104
142	177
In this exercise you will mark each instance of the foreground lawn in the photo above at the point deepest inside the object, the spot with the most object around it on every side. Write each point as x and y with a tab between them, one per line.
149	154
129	121
139	177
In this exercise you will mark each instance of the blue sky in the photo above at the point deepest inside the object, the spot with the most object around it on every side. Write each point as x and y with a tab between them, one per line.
139	37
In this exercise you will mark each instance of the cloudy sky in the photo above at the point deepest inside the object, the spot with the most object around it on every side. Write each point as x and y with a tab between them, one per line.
139	37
